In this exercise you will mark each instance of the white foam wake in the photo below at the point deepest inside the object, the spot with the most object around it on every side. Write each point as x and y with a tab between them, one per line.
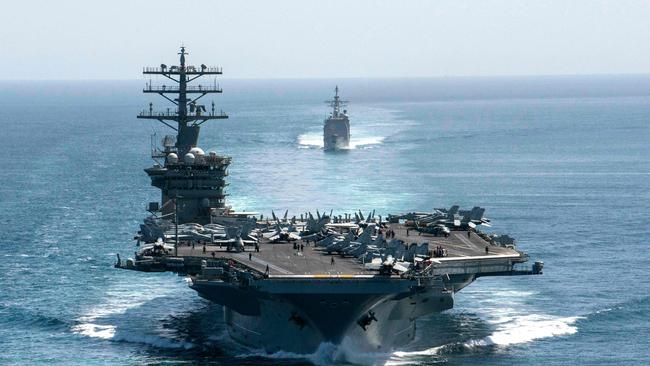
120	298
99	320
527	328
328	354
315	140
511	330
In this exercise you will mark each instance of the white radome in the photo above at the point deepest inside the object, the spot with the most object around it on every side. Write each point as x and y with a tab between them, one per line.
189	158
197	151
172	158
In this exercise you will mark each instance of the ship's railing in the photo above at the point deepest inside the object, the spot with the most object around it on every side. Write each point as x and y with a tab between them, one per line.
220	164
473	265
174	114
204	161
189	88
144	113
188	69
229	270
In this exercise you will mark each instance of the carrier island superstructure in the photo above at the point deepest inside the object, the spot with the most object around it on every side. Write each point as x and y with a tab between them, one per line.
336	128
293	282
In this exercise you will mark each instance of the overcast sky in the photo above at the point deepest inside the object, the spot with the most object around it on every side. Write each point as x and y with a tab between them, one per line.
80	39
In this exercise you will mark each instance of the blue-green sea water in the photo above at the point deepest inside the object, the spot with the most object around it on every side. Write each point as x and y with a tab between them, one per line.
562	164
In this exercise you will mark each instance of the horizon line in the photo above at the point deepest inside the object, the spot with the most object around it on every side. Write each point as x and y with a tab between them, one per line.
299	78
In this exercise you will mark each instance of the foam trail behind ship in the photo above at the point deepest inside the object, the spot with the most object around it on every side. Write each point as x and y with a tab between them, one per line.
314	140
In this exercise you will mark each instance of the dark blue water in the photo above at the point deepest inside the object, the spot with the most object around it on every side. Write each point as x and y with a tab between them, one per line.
562	164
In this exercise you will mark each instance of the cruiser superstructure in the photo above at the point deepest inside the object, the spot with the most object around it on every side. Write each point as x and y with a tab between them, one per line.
294	282
336	128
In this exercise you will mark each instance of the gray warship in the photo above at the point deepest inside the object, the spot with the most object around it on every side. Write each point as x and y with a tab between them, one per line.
293	282
336	128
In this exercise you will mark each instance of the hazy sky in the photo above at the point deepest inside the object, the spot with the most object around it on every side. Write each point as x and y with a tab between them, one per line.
81	39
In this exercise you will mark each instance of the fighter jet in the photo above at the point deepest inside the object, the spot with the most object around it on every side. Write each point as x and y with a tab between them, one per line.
282	234
366	235
340	245
237	235
326	241
359	243
278	220
451	218
433	228
315	226
355	250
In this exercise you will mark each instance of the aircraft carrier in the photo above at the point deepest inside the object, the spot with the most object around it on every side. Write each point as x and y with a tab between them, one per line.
292	282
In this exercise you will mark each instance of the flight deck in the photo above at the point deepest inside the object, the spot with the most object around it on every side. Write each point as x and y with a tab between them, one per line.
302	258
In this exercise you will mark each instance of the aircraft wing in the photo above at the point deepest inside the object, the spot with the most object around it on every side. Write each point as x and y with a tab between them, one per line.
270	234
348	225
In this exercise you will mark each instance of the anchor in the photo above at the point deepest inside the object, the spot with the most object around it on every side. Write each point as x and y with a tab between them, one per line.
365	320
300	322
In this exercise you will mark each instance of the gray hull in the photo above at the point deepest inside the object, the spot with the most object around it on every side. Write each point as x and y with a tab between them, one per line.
299	317
336	133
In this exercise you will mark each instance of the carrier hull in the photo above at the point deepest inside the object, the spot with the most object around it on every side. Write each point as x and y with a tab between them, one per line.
370	315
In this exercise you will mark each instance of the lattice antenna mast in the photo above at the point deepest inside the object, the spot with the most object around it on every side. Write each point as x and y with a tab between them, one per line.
336	103
188	116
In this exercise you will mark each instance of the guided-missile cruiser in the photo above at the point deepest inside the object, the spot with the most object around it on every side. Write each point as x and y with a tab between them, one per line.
336	129
294	282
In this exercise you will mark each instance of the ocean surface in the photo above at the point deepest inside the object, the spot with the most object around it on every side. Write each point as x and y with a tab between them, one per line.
560	163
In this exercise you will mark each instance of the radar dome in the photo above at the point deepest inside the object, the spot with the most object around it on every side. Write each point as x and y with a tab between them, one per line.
197	151
213	153
172	158
189	158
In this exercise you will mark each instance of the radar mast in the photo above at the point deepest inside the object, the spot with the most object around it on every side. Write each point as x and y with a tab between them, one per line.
192	182
336	103
189	115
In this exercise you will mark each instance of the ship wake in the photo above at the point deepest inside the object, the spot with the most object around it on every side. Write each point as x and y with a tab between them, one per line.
315	141
327	354
110	320
510	331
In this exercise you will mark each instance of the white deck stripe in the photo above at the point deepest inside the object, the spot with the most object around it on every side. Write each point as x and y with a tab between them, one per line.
243	258
468	244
